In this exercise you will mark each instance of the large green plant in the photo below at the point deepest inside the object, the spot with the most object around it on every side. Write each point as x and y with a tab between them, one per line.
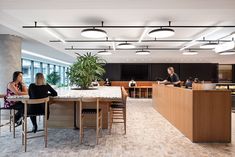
53	78
86	69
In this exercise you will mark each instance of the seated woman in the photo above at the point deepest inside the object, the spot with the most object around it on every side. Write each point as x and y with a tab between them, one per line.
16	87
39	89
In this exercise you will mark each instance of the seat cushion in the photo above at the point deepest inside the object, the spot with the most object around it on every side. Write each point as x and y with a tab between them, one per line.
89	111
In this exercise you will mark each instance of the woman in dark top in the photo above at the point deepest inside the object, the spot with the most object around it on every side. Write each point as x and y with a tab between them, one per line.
16	87
172	78
39	90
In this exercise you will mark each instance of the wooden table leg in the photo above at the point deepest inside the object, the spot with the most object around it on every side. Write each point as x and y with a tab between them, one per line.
75	115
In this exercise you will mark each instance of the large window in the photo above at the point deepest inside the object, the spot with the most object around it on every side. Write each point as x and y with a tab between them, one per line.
27	71
45	69
31	68
36	68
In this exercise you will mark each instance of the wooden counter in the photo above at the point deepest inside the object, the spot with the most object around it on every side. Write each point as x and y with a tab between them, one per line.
201	115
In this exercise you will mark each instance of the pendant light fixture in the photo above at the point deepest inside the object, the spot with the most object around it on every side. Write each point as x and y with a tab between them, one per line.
190	52
162	32
126	46
104	53
94	33
142	52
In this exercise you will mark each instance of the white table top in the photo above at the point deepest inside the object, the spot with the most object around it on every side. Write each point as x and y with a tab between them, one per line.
102	92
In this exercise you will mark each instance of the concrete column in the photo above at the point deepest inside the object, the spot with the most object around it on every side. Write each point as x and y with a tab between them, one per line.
10	60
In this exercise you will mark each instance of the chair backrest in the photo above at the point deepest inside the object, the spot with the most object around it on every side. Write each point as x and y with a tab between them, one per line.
37	101
124	95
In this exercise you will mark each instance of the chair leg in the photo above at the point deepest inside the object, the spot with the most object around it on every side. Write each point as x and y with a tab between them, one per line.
23	131
25	134
101	124
110	121
45	125
124	121
81	129
11	119
13	125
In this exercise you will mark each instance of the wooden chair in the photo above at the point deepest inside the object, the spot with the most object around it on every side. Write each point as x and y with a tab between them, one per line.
118	111
87	112
11	122
24	121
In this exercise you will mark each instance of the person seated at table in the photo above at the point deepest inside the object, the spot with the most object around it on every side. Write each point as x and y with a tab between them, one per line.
172	78
95	83
38	90
189	82
132	83
16	87
107	82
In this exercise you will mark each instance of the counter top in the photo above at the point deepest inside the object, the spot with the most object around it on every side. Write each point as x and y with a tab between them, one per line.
101	92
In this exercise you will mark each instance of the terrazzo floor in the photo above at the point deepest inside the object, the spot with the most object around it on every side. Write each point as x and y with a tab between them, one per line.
148	135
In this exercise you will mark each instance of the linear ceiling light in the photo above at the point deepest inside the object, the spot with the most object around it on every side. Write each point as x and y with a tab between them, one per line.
126	46
194	42
142	52
142	35
94	33
208	45
104	52
224	47
44	57
228	53
54	35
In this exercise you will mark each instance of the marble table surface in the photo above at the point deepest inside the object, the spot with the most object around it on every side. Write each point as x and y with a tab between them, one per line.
102	92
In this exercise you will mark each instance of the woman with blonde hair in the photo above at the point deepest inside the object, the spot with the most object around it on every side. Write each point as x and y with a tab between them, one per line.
39	89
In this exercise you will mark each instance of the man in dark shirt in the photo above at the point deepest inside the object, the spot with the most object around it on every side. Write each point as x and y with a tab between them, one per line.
172	78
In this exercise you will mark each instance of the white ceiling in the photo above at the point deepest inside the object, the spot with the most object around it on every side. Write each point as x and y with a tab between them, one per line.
14	14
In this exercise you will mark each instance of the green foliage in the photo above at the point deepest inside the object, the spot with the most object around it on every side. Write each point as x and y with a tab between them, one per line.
53	78
86	69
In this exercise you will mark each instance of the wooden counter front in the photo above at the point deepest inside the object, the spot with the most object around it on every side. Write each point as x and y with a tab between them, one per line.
201	115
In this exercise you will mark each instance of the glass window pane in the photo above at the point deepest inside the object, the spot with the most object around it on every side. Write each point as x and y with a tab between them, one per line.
45	69
62	76
51	68
36	68
26	69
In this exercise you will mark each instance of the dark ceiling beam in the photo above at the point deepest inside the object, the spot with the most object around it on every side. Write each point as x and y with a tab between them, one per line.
176	40
128	26
140	48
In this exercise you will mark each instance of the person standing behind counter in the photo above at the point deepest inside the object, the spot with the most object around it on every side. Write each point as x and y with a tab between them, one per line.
173	78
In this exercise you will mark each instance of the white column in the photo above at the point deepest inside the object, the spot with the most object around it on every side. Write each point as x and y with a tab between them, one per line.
10	61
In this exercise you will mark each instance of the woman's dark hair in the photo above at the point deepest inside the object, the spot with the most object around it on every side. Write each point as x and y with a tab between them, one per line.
14	78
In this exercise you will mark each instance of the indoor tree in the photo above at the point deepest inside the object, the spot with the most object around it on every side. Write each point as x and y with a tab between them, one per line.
87	68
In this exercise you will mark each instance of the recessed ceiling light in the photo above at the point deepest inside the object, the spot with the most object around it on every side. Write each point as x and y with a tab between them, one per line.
143	52
161	33
94	33
126	46
228	53
208	46
104	52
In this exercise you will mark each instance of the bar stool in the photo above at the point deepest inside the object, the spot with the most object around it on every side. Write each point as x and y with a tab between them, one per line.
11	118
118	111
24	121
87	112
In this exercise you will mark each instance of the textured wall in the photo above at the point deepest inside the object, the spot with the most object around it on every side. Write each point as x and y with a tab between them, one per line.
10	58
10	61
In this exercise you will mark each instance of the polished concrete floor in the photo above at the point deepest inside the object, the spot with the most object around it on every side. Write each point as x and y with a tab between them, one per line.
148	135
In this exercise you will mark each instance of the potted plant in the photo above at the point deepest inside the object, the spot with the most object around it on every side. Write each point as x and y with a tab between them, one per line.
53	78
86	69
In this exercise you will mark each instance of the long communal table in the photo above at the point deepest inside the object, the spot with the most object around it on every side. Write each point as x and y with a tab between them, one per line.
64	108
